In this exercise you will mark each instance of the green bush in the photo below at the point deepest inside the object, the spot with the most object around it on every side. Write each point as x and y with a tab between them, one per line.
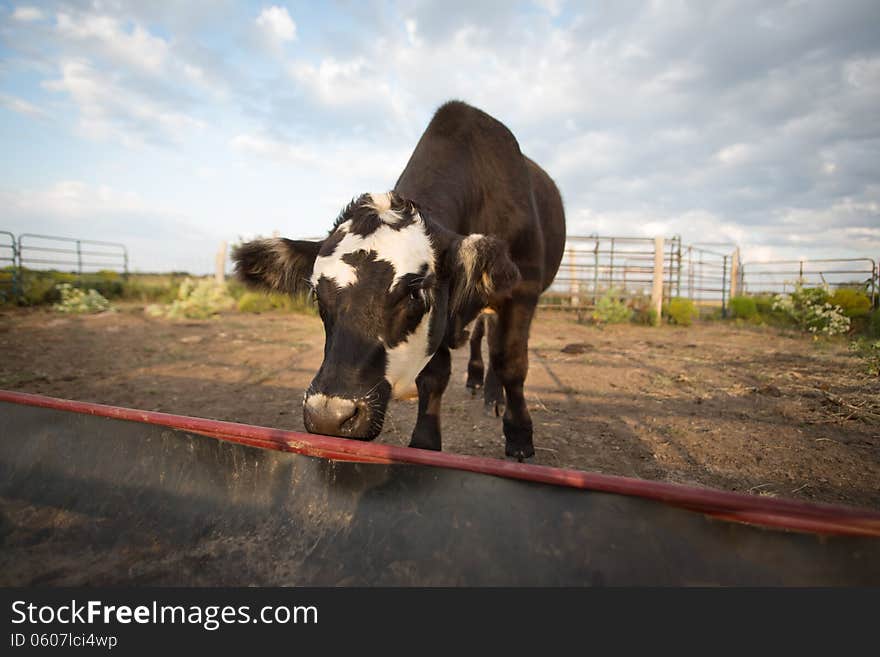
811	310
610	309
766	314
37	290
743	308
74	300
643	311
764	303
644	316
680	311
869	352
259	302
40	286
853	303
255	302
109	288
147	290
195	300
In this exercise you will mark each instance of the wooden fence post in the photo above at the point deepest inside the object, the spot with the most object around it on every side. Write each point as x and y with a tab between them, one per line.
657	287
220	265
734	273
574	288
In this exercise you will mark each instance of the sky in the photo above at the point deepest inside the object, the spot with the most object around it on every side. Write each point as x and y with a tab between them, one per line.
171	126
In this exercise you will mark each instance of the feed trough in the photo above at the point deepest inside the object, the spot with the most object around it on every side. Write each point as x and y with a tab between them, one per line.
101	495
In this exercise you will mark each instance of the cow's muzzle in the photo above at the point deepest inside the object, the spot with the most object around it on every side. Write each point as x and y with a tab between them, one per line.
337	416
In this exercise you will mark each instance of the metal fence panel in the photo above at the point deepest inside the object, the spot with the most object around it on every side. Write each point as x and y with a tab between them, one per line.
9	281
781	276
593	265
70	254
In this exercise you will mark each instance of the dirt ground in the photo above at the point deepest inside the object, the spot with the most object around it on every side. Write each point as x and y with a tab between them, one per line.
736	408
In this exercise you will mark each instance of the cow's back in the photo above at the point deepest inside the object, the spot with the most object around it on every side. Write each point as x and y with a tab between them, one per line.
548	202
468	174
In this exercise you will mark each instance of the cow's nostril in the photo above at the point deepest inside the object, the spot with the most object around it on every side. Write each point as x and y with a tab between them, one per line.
349	422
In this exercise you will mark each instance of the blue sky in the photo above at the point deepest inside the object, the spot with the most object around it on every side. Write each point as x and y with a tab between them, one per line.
173	125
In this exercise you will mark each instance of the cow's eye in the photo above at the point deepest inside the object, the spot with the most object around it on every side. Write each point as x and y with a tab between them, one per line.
417	299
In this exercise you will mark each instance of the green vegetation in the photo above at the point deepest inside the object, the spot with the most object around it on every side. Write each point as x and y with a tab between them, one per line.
680	311
195	300
259	302
74	300
743	308
643	313
873	329
41	286
175	294
853	303
856	305
611	309
810	310
813	310
869	352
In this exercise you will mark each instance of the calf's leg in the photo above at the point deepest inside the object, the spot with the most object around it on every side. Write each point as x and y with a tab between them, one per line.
475	369
510	357
493	391
431	383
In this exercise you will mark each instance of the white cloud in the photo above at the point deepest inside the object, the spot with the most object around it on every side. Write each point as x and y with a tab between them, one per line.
21	106
110	110
349	160
74	199
267	147
346	83
412	32
734	154
552	7
27	14
135	48
277	25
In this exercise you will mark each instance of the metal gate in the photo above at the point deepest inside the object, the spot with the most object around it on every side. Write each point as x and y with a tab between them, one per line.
9	280
593	266
70	254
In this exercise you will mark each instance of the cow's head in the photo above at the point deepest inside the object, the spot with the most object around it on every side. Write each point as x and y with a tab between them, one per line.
391	287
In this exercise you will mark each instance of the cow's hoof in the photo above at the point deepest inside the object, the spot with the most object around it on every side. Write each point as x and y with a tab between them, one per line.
518	440
493	409
419	442
519	453
473	387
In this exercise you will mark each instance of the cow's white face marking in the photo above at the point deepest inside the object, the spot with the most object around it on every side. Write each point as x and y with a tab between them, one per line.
408	358
409	251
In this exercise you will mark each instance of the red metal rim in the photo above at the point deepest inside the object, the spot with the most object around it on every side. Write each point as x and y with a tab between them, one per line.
771	512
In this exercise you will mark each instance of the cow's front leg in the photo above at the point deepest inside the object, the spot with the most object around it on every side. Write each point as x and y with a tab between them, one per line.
431	382
493	390
511	358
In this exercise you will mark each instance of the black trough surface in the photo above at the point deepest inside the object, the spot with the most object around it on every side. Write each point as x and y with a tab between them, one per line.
99	501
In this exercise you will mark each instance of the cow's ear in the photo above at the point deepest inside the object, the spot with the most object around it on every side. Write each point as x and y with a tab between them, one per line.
484	270
277	264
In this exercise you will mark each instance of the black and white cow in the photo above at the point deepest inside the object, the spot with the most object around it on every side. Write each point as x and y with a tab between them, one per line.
471	224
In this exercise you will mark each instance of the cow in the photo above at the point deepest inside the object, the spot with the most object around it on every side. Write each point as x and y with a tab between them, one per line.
471	228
